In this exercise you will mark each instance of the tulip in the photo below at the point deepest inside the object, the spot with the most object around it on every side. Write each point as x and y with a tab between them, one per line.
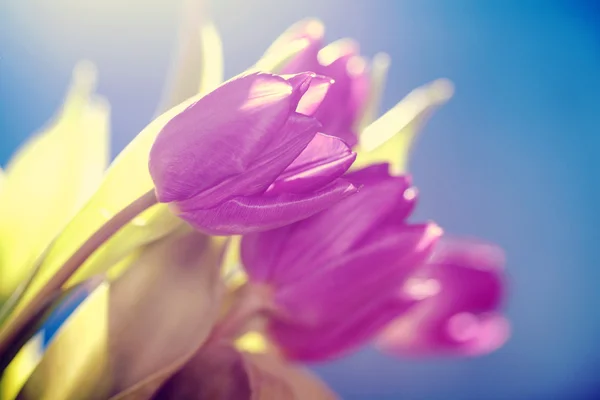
243	159
333	277
342	107
462	290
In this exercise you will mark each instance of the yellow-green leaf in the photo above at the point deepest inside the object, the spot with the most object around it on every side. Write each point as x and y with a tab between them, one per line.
379	67
389	138
50	177
126	180
1	178
20	368
198	63
212	58
74	365
162	309
233	273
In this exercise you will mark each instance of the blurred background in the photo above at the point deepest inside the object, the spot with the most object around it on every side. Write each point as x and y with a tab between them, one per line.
512	158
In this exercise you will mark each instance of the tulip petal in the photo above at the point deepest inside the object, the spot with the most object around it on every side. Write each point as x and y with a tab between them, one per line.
219	136
340	109
324	159
327	235
274	62
344	304
294	136
300	83
314	94
261	251
309	30
462	317
329	341
335	111
244	215
374	174
376	269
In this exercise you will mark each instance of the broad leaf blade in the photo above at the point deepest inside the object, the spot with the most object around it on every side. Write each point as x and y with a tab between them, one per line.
126	180
50	178
21	367
162	309
197	66
378	76
75	364
390	138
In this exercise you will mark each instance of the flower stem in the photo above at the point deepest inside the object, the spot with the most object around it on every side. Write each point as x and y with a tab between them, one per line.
10	332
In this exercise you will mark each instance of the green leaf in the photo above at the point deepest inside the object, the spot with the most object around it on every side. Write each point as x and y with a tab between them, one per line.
128	177
20	368
50	177
1	179
74	365
197	66
126	180
162	309
379	67
233	273
390	138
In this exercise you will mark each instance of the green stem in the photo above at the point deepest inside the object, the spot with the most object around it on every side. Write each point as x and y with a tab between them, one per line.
10	332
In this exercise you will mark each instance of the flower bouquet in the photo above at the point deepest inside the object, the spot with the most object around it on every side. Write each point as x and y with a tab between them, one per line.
255	227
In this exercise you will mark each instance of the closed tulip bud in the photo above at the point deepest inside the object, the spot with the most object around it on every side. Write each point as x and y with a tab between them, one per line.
243	159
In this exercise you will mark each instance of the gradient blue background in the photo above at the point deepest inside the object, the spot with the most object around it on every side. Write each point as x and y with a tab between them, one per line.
512	158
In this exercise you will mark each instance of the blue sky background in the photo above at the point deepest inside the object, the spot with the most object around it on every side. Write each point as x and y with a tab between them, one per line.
512	158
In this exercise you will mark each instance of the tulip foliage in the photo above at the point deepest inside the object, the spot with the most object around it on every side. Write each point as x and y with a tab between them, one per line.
255	226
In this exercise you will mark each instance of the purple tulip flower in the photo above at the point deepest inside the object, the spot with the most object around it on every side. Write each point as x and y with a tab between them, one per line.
243	158
345	101
334	277
461	290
